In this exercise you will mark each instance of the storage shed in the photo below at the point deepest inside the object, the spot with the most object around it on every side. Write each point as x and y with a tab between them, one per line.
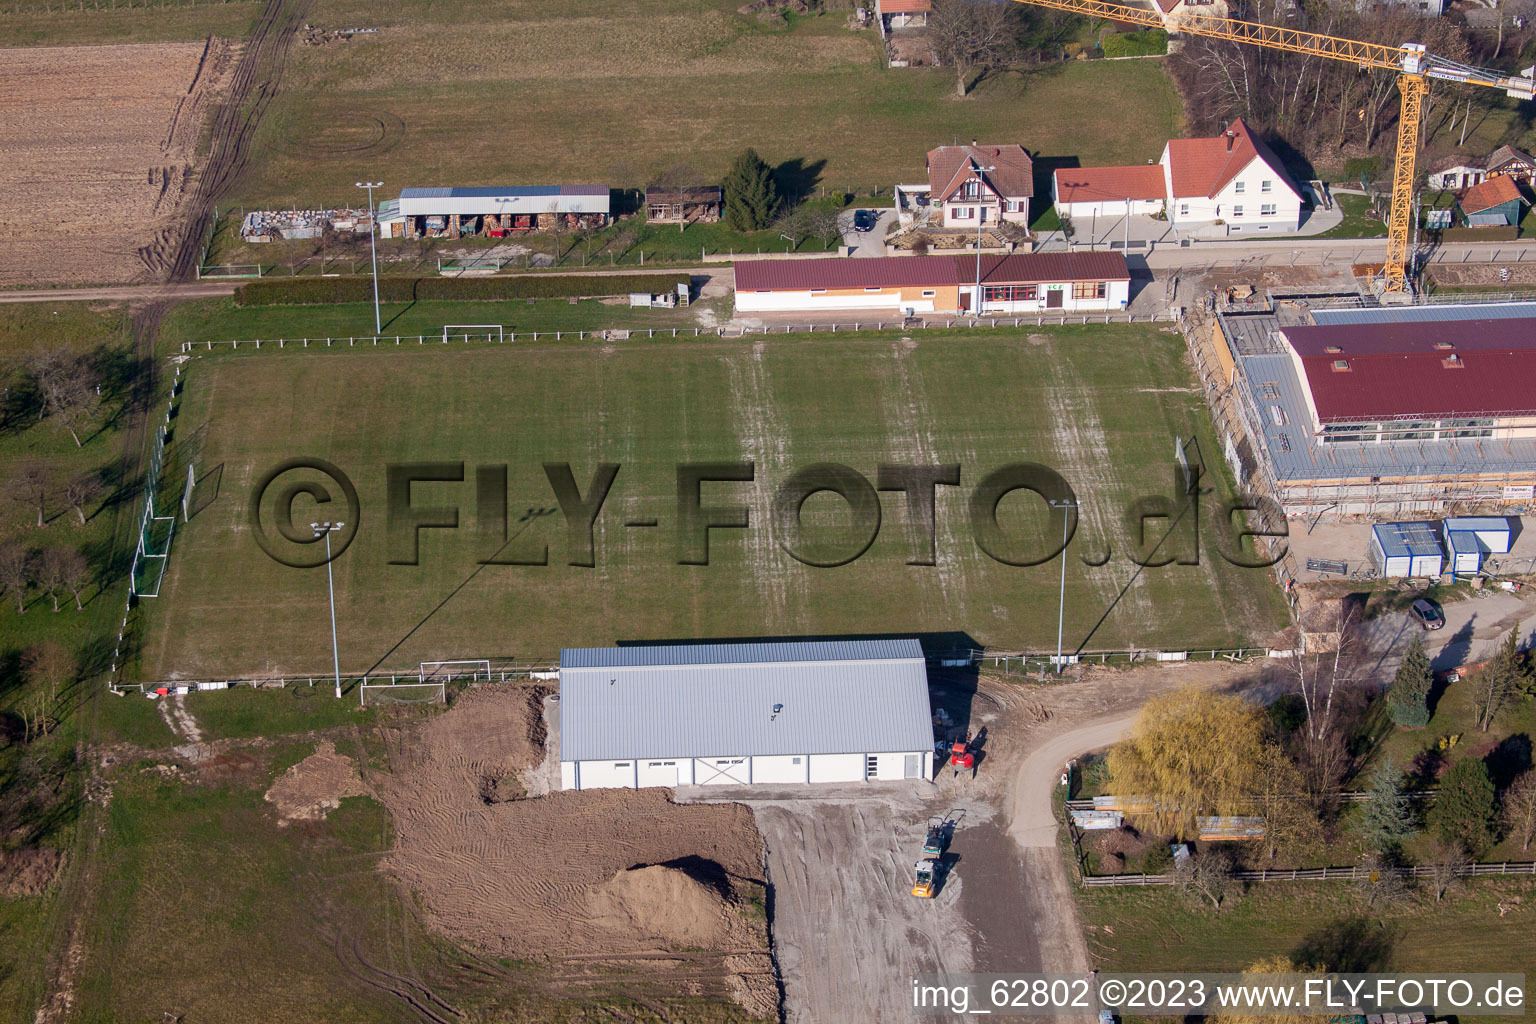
1491	531
1464	552
744	714
1406	549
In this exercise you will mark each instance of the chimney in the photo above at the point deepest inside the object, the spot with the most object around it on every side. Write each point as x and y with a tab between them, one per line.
1231	139
973	142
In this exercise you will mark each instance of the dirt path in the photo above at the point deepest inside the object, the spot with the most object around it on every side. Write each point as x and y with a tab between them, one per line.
124	293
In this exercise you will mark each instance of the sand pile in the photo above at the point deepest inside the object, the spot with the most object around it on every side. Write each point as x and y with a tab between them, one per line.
315	786
663	903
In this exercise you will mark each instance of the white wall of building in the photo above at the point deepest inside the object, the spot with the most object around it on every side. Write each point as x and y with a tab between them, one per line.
1457	177
795	301
1109	208
1117	296
962	213
744	770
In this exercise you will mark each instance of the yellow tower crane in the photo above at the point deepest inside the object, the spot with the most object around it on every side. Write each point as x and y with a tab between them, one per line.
1413	64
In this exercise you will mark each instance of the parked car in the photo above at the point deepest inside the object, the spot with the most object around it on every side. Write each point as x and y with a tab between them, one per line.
1428	613
865	220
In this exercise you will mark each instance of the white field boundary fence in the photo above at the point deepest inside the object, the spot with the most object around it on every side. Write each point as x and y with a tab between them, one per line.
1350	874
480	671
1020	663
503	336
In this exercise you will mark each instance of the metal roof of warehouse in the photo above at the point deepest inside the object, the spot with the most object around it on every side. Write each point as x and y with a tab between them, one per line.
492	192
1415	539
1425	314
929	271
1359	372
717	700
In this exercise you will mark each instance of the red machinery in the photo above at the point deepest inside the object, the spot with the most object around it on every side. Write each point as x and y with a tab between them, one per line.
961	755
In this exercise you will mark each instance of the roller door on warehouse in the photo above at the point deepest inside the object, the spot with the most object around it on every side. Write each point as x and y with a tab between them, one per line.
722	771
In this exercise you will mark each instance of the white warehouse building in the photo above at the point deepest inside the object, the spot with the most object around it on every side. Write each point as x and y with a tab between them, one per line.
744	714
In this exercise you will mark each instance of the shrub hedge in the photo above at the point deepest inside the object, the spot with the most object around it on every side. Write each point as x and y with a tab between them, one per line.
317	291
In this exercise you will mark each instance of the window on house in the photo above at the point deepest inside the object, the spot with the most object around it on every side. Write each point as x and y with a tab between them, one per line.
872	766
929	293
964	213
1267	210
1240	187
1183	209
1009	293
872	288
971	191
1237	211
1089	289
1266	186
818	291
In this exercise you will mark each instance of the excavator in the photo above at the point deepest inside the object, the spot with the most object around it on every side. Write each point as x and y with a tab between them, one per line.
1414	67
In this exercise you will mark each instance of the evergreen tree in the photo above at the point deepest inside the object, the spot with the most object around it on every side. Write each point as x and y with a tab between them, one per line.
1465	807
1408	700
1386	819
751	200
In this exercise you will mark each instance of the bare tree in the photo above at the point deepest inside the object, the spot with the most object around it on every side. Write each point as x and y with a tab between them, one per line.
51	571
74	575
1499	681
1447	863
1207	876
76	401
974	37
48	664
1520	809
16	573
79	491
1327	669
1381	881
32	486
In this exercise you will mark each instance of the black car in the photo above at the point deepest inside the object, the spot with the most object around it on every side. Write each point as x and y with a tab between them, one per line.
865	220
1428	613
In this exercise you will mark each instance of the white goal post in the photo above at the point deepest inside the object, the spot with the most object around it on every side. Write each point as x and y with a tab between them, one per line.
487	328
447	671
375	694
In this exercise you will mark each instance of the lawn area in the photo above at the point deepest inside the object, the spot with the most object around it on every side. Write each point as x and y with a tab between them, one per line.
1481	926
138	24
1358	221
1100	404
223	320
536	98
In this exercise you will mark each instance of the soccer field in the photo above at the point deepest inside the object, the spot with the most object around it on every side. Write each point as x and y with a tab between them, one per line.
1101	405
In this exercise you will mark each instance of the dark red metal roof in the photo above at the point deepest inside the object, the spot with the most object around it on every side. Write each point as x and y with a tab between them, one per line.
928	271
1417	370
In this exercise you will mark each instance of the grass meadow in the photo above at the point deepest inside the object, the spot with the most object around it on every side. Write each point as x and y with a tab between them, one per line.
533	91
1099	404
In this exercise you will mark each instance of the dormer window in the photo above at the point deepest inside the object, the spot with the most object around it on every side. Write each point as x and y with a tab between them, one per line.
1332	349
1452	362
1341	366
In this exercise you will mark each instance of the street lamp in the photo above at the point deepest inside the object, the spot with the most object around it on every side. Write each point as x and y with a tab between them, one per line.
1068	511
325	530
373	248
979	208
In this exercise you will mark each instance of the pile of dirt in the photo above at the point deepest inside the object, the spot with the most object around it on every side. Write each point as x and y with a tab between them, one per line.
663	903
29	871
315	786
600	874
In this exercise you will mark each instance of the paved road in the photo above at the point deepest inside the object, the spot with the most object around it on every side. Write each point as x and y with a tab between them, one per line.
867	243
1472	631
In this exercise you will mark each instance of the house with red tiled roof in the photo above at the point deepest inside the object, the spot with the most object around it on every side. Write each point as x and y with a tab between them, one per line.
1086	192
1233	180
1496	202
1173	10
902	13
971	186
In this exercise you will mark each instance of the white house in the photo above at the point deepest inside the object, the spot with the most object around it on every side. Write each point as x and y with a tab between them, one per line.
989	183
1457	172
1234	179
1084	192
744	714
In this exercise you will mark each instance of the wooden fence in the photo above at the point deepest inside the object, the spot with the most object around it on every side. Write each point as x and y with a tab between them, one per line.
1319	874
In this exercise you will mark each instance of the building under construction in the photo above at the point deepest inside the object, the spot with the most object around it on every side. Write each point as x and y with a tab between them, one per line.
1382	411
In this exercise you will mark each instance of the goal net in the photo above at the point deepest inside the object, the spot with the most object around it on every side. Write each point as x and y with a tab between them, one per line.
376	694
449	671
491	332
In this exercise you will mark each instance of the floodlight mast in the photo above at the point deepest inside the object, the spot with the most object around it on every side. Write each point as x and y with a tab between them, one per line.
325	530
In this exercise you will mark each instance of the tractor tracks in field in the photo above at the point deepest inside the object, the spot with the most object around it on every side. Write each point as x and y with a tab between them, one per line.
256	80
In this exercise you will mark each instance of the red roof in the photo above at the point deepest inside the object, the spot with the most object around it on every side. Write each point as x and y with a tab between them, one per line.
950	166
903	6
1109	184
1203	167
1495	191
928	271
1419	369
